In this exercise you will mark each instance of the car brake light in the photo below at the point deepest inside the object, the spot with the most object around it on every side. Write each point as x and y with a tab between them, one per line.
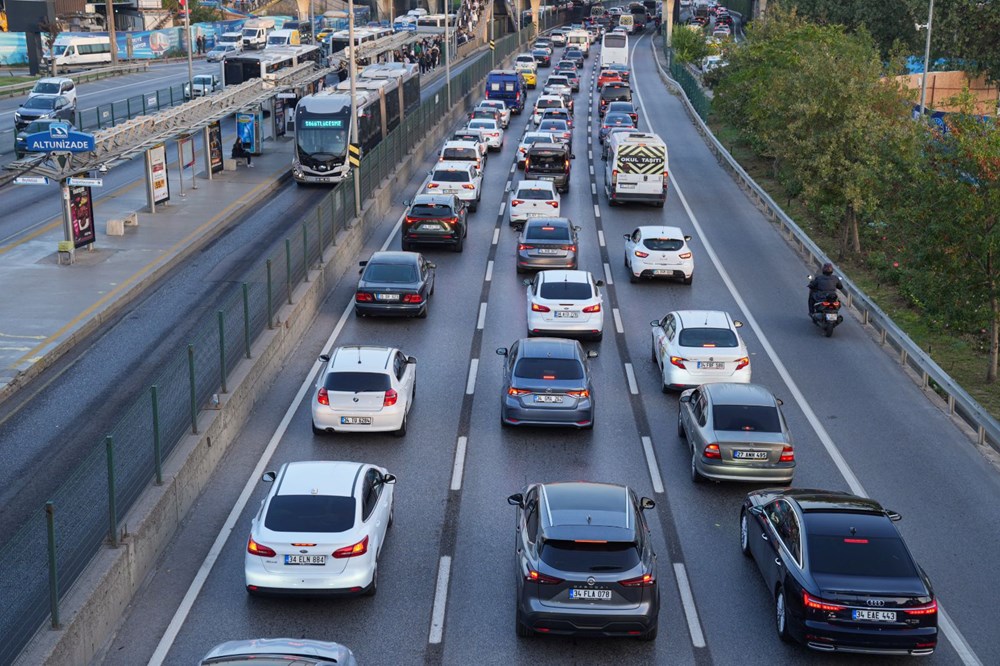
929	609
579	394
569	248
743	362
566	165
431	186
641	255
614	177
413	298
787	454
535	577
362	297
517	391
645	580
516	202
255	548
360	548
410	220
535	307
521	247
678	361
592	308
686	255
554	204
815	603
322	397
468	186
390	398
712	451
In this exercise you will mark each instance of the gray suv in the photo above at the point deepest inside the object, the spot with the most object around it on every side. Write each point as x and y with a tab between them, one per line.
584	562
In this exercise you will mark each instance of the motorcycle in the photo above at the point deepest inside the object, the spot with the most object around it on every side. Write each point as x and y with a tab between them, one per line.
826	311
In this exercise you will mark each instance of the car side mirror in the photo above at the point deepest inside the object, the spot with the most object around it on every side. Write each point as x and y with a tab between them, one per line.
430	265
406	202
894	516
269	476
779	401
411	359
362	263
501	351
526	282
737	323
600	283
592	354
325	358
517	499
655	322
646	503
685	398
627	236
388	479
687	238
756	511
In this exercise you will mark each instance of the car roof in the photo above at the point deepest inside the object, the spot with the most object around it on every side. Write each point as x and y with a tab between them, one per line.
548	348
53	79
535	185
560	275
318	477
726	393
397	257
832	501
586	504
660	232
436	199
360	357
704	319
452	165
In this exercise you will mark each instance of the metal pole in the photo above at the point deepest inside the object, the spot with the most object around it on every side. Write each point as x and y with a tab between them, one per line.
157	456
354	106
222	349
447	49
112	509
493	50
246	318
50	528
305	250
110	20
517	19
312	22
194	398
927	59
187	31
270	302
288	269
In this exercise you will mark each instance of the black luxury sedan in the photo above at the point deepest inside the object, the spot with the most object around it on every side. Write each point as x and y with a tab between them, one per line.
394	284
841	577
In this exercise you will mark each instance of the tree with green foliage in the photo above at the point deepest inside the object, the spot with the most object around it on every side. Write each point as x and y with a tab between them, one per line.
886	22
689	45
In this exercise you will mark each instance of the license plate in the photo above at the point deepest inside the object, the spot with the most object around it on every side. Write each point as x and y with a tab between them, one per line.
831	316
548	398
355	420
387	297
536	214
549	178
547	251
662	271
711	365
750	455
431	226
306	559
567	315
626	186
601	595
874	615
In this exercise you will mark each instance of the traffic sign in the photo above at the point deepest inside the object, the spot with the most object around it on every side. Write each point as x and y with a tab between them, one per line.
31	180
493	46
60	138
354	155
86	182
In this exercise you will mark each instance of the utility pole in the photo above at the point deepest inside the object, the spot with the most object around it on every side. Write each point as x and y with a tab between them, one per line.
187	31
927	59
354	102
447	49
110	20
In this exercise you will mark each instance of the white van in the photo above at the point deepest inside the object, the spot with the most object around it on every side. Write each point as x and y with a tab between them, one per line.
234	39
73	50
279	38
580	39
637	168
255	32
626	21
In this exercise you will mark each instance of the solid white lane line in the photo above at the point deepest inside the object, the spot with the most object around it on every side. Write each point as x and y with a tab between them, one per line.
951	631
654	468
440	600
600	237
459	467
513	167
482	316
687	600
503	206
618	320
593	188
489	270
496	235
470	385
597	211
607	274
633	387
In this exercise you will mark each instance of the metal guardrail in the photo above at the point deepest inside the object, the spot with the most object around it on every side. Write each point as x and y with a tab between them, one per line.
910	355
79	77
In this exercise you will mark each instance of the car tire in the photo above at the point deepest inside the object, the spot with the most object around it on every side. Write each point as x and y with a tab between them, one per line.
696	476
781	617
744	534
649	635
406	246
358	313
474	206
423	313
392	518
688	280
373	587
598	337
680	426
521	630
316	431
632	277
402	428
459	244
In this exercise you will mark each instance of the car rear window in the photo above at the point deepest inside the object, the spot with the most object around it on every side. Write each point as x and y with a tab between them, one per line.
566	290
662	244
558	81
430	210
354	382
553	125
615	93
546	232
449	176
310	513
549	104
590	557
746	418
533	194
390	273
548	368
708	337
547	159
460	154
879	557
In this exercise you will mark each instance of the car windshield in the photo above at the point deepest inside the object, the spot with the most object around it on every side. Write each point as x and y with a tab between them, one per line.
357	382
46	88
572	291
430	211
662	244
591	557
390	273
746	418
548	368
707	337
310	513
449	176
40	103
460	154
878	557
546	232
533	194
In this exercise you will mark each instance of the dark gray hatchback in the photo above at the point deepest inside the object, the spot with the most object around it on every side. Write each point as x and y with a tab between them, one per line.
584	563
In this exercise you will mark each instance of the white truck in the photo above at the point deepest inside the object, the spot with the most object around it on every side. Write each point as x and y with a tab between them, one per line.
637	168
280	38
234	39
255	32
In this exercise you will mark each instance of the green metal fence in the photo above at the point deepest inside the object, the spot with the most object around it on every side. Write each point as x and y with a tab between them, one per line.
109	115
57	542
701	102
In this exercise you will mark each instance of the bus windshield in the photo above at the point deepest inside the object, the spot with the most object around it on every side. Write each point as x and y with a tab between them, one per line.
321	137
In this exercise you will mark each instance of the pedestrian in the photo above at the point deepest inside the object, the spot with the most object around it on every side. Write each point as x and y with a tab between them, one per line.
240	150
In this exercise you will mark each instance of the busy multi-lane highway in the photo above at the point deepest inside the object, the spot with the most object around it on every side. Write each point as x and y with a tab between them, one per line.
859	423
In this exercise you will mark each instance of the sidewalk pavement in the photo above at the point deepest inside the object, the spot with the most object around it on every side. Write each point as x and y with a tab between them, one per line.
45	308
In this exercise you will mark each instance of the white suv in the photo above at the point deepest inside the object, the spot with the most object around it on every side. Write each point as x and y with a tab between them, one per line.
463	179
533	198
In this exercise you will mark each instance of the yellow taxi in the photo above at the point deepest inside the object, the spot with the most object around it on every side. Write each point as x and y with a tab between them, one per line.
530	77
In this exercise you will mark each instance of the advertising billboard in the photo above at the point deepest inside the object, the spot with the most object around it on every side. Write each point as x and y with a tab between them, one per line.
81	215
156	164
247	130
215	154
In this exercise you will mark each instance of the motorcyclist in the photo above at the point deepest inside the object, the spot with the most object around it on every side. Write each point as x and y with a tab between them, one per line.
824	283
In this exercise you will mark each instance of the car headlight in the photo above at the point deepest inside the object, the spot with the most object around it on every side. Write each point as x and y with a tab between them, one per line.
17	116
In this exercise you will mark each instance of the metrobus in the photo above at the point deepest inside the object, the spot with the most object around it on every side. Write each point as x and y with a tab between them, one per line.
614	49
340	40
266	64
386	93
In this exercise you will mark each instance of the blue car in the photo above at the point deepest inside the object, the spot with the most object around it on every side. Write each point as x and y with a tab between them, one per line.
615	121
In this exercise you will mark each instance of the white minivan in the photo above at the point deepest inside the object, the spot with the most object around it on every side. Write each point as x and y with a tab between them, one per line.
73	50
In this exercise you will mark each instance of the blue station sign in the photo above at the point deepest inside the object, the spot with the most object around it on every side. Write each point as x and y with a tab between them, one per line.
60	139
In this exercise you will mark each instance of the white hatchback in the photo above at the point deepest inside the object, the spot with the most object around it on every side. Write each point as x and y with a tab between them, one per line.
364	389
565	302
320	530
527	61
463	179
533	198
658	252
491	130
695	347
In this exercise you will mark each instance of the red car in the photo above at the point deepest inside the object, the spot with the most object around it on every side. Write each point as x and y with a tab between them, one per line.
607	76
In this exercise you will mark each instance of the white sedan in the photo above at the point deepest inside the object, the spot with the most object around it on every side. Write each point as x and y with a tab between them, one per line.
565	302
364	389
695	347
491	131
533	198
652	252
320	530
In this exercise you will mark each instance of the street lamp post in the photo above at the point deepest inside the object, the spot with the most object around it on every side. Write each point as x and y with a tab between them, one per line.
354	102
927	58
187	31
447	50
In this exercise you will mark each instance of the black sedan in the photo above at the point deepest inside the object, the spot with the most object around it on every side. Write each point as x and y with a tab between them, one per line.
394	283
575	55
542	56
840	574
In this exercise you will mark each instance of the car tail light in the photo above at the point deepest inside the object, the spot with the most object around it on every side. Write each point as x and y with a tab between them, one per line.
590	309
815	603
390	398
712	451
614	177
413	298
362	297
666	179
645	580
566	165
742	363
322	397
554	204
521	247
929	609
579	394
494	134
535	577
685	255
641	255
410	220
569	248
517	391
431	186
787	454
535	307
678	361
360	548
468	186
255	548
518	202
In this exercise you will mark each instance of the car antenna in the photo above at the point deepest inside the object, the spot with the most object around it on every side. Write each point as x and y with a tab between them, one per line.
359	354
588	520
